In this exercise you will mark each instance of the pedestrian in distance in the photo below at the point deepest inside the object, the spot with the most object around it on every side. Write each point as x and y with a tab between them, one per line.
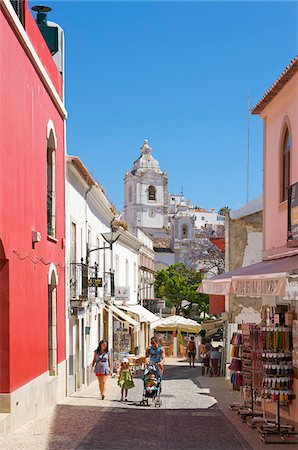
215	357
206	363
101	365
191	349
125	380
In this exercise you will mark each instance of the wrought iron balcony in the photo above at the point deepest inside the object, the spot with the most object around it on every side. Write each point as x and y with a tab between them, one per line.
80	286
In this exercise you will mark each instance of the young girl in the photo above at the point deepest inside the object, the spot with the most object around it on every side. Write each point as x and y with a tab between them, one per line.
125	379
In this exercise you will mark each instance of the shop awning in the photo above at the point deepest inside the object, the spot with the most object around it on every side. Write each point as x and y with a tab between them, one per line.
264	278
143	313
121	315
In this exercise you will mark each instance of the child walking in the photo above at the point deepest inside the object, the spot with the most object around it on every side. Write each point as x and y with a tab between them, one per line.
125	379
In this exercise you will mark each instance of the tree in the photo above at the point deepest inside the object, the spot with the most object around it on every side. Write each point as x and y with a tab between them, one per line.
222	211
178	283
201	254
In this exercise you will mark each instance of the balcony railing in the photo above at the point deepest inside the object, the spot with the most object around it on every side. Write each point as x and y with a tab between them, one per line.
79	276
78	281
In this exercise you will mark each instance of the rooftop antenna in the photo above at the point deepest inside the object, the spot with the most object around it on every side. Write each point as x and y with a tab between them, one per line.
248	148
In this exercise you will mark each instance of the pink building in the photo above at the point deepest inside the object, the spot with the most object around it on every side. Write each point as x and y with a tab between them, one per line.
271	286
279	110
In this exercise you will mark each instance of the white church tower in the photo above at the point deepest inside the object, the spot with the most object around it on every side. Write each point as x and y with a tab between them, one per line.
146	193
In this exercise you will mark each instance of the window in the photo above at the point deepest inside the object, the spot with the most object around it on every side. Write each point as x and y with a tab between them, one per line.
286	165
18	6
152	193
51	185
202	218
135	276
117	268
97	252
126	273
130	194
73	243
184	232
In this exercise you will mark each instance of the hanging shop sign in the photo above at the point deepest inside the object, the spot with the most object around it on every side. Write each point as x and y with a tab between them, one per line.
293	213
95	282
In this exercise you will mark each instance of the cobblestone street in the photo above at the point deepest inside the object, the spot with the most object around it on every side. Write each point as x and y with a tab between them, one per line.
190	417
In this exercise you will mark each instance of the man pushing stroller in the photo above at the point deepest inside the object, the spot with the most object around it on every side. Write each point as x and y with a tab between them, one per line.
155	355
152	378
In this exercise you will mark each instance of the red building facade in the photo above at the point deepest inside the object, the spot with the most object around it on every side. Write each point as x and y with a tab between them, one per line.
32	219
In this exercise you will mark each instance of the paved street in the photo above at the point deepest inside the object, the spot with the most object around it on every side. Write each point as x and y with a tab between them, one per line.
189	418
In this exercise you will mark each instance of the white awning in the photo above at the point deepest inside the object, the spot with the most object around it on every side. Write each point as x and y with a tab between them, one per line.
121	315
144	314
266	278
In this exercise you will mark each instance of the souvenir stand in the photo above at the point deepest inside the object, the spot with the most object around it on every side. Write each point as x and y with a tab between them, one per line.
246	370
277	364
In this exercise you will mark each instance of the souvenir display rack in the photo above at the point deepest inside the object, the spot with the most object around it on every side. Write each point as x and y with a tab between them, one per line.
277	365
236	359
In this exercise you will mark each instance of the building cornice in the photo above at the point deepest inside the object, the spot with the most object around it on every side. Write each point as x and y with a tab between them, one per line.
129	240
96	193
33	56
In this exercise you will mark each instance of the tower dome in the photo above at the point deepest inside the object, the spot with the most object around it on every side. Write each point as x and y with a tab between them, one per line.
146	160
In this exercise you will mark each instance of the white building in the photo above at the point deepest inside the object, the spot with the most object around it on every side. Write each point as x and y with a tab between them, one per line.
146	193
209	219
170	220
93	313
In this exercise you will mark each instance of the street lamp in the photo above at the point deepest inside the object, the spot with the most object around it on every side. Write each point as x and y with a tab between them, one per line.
110	237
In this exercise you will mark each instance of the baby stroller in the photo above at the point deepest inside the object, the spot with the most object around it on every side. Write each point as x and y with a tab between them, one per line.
152	379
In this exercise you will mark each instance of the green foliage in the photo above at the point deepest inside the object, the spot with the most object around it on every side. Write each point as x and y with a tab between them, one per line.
178	283
223	210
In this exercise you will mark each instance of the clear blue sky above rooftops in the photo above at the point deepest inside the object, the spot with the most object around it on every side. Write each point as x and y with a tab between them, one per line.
177	73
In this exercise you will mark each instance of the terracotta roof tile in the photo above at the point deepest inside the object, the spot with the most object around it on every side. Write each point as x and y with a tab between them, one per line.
287	74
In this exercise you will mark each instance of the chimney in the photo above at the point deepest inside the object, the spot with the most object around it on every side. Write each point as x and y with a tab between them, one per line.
49	33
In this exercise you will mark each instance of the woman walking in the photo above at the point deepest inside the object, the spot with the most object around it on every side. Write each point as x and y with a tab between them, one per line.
102	366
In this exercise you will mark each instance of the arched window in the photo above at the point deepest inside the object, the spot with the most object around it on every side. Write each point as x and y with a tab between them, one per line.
51	185
152	193
184	232
286	165
130	194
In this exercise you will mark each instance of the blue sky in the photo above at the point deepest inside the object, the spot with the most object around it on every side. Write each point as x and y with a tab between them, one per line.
177	73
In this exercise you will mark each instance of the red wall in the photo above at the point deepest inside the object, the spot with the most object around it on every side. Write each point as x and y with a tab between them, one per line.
42	50
216	304
25	111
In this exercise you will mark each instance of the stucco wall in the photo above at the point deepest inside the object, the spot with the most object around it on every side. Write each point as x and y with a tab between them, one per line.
281	110
26	110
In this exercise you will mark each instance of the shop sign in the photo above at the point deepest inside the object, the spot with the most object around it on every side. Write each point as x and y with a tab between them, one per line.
258	286
121	293
293	213
95	282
